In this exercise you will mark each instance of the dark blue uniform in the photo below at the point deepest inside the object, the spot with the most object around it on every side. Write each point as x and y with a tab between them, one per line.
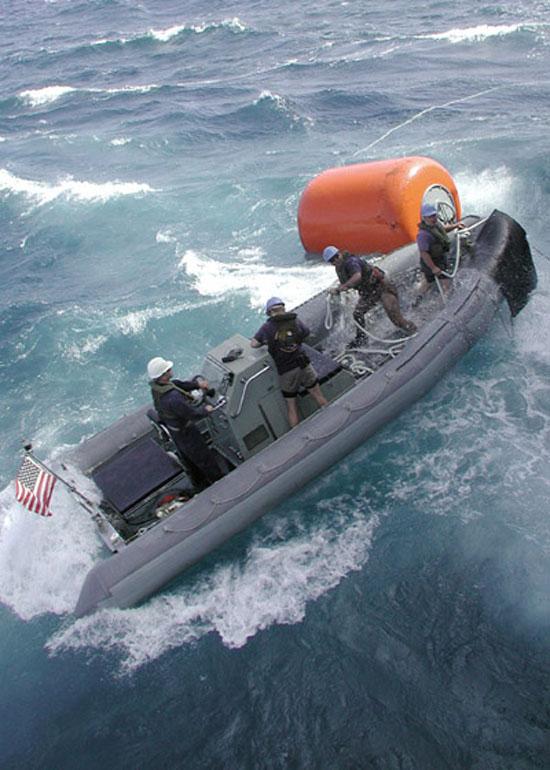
180	417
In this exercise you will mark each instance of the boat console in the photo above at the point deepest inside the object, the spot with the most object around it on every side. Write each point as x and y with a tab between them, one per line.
252	412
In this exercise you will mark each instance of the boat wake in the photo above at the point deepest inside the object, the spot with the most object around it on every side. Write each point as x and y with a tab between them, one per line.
44	560
43	566
272	585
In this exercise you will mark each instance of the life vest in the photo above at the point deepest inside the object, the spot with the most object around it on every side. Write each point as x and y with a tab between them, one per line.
158	389
287	336
440	243
369	280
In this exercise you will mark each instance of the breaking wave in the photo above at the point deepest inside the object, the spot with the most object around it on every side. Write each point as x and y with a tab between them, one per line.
42	193
475	34
39	97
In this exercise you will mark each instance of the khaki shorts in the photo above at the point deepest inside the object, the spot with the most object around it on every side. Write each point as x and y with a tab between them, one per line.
292	381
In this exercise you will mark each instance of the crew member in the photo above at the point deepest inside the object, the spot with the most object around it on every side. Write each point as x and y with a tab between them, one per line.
371	284
283	333
433	245
173	403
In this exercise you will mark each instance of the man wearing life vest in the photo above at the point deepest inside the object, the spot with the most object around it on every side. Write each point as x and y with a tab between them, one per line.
283	333
433	245
173	402
371	284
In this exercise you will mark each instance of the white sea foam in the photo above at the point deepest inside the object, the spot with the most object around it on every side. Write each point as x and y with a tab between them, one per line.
249	273
282	105
135	321
165	236
36	97
169	33
475	34
43	560
90	331
481	192
42	193
144	89
267	96
164	35
39	96
83	349
273	585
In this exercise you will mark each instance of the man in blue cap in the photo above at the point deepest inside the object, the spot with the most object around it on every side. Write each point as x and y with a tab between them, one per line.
283	333
372	286
433	245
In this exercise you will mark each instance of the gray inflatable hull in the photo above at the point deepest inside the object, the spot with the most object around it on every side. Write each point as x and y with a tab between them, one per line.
231	504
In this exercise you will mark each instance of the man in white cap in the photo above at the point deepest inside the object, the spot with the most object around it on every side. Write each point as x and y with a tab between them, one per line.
172	401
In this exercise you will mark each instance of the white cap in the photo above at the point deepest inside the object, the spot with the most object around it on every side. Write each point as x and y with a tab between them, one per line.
157	367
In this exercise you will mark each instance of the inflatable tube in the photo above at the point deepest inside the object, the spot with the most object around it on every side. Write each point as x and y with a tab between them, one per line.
373	207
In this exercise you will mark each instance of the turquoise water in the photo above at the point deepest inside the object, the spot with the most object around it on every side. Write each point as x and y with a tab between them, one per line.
394	614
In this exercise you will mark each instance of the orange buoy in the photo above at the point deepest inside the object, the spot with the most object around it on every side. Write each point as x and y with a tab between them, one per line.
373	207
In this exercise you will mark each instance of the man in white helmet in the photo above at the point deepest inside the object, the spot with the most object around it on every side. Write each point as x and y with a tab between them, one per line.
172	401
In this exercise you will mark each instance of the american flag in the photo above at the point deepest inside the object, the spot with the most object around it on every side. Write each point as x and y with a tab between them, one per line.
34	487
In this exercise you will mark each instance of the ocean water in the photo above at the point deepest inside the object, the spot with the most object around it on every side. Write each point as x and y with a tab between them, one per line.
393	615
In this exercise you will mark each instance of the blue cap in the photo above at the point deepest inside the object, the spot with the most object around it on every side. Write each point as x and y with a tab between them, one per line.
428	210
330	252
273	302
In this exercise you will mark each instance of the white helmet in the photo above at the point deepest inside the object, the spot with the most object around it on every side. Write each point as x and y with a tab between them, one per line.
157	367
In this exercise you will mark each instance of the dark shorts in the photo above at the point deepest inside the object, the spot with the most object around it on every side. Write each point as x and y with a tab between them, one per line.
441	263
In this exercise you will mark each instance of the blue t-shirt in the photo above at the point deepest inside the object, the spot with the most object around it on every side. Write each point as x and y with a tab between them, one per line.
351	266
284	361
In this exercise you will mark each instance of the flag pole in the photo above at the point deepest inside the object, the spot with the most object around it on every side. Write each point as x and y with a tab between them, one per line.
110	535
82	500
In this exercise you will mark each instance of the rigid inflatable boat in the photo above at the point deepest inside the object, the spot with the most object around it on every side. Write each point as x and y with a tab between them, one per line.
150	516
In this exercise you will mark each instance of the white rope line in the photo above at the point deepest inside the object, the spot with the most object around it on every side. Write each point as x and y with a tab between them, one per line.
421	114
329	315
372	336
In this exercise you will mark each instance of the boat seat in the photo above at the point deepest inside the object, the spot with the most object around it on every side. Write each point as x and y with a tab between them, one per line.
324	365
163	434
136	472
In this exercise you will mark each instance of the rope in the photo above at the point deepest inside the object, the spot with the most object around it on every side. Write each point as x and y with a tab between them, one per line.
380	339
329	322
460	235
421	113
355	365
329	315
441	292
540	253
